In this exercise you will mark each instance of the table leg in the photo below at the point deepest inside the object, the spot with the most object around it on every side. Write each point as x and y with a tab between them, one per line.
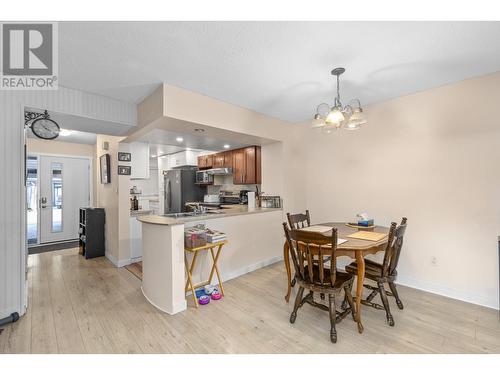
286	257
359	288
190	281
192	266
214	266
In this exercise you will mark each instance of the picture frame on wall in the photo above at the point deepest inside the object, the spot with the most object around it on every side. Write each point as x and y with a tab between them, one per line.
105	164
124	170
124	156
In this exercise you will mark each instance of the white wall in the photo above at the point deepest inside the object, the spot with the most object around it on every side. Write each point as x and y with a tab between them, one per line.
433	157
12	236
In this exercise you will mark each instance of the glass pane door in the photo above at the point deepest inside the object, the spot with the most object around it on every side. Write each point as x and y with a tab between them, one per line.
57	197
32	199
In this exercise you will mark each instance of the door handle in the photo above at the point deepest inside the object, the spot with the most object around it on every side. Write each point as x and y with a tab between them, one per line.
43	202
169	196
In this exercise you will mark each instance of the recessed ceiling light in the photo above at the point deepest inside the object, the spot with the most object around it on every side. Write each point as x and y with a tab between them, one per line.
227	146
179	139
65	132
199	130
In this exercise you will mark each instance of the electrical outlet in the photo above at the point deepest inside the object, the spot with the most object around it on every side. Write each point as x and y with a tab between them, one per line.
434	261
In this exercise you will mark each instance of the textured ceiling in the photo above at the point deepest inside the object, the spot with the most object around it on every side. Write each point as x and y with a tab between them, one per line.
281	69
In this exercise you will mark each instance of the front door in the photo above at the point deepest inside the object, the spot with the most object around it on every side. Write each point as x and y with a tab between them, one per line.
64	188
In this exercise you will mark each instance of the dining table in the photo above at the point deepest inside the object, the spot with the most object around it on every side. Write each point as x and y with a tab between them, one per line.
353	248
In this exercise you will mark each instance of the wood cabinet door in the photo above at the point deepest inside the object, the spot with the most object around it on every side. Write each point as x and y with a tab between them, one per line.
201	162
250	174
218	160
238	166
209	161
228	159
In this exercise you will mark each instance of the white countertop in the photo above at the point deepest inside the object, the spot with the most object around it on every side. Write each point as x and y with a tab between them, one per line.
135	213
226	212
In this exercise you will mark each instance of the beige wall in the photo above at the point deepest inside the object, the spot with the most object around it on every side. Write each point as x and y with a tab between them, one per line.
65	148
434	157
113	197
57	147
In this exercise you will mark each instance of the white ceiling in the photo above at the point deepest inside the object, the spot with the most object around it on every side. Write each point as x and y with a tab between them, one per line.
164	142
281	69
82	127
71	136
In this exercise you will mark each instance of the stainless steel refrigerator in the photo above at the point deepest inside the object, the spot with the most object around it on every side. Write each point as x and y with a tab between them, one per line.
180	187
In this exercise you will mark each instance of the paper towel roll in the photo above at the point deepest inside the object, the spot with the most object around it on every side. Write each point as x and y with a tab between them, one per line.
251	200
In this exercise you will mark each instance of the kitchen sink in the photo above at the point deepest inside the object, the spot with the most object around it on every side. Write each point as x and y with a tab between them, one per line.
182	214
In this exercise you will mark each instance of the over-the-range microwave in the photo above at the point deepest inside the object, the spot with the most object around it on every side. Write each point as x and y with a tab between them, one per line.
203	177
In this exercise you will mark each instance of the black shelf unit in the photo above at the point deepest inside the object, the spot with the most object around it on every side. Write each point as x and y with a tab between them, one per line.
91	232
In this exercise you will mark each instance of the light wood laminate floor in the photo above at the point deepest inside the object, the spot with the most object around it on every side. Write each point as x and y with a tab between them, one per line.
89	306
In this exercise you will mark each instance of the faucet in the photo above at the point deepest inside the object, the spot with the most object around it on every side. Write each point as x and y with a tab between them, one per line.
200	209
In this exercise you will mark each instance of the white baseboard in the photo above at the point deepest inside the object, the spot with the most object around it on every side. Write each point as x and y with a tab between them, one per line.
433	288
252	267
117	263
175	309
226	276
123	262
4	313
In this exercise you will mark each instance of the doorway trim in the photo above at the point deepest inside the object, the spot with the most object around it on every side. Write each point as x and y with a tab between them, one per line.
91	184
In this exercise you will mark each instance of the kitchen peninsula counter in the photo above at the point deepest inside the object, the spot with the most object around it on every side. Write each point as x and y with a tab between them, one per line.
234	210
255	240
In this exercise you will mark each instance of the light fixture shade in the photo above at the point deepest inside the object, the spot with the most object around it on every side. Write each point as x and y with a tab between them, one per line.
317	122
335	117
356	120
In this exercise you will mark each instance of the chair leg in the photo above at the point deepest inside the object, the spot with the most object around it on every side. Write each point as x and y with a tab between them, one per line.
333	317
345	302
385	302
396	295
298	300
350	301
372	295
293	281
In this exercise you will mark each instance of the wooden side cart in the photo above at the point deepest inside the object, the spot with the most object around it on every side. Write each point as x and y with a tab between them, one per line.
215	250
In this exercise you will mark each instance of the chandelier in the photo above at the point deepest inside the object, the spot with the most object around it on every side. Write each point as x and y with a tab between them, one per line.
330	118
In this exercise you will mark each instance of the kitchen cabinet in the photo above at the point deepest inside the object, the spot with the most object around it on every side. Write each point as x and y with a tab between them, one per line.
238	166
247	165
135	239
205	161
228	159
218	160
140	160
183	158
223	160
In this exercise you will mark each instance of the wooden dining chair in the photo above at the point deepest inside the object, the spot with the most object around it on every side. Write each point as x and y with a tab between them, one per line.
308	252
300	220
385	272
297	221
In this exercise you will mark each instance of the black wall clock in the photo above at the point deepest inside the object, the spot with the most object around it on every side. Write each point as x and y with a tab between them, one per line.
45	128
